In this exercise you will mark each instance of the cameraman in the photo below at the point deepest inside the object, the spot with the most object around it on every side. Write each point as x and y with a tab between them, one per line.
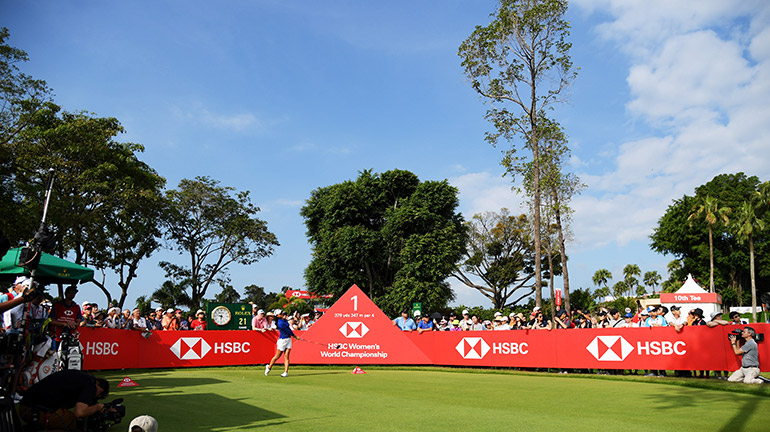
46	405
749	370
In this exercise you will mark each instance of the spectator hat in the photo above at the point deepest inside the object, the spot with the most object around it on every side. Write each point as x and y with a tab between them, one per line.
673	308
85	303
20	280
169	310
113	309
561	312
698	312
521	316
456	322
487	322
442	322
416	313
269	313
644	312
451	314
158	309
629	315
537	308
178	311
145	422
260	311
278	312
465	311
199	311
628	310
715	314
497	318
504	318
651	308
497	314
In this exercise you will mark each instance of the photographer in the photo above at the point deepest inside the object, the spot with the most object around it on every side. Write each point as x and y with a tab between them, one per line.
47	404
749	370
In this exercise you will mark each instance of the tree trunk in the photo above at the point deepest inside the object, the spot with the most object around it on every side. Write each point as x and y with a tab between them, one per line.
753	281
711	261
562	251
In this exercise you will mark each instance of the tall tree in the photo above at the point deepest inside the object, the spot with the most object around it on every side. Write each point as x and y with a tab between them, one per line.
746	224
709	209
228	295
216	226
685	239
602	277
652	279
499	252
520	64
394	236
630	273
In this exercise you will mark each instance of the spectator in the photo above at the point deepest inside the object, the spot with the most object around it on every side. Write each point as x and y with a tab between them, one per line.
539	322
270	317
199	323
404	323
716	319
304	321
316	317
425	324
628	321
614	320
168	322
697	314
99	317
12	317
259	322
656	318
66	313
735	318
456	326
138	322
519	322
643	316
476	325
452	318
677	320
181	321
467	321
443	325
503	324
125	320
562	320
113	319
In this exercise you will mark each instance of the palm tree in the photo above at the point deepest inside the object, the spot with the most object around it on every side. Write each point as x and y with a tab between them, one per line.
745	225
630	271
652	279
601	277
712	213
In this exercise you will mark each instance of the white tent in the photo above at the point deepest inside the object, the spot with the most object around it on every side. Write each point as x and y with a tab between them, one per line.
691	296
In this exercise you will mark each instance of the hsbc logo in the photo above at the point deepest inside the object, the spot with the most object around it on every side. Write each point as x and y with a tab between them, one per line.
610	348
69	313
472	348
190	348
354	330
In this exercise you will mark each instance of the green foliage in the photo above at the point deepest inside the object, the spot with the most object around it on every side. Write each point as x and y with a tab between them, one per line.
255	294
688	242
228	295
172	294
144	304
500	252
582	299
395	237
217	227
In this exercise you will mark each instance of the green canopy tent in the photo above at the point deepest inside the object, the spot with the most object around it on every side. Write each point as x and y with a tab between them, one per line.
51	269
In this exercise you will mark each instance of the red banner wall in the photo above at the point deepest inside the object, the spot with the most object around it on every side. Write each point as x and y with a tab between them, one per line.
355	331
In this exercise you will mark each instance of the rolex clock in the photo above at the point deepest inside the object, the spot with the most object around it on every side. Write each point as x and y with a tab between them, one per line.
221	315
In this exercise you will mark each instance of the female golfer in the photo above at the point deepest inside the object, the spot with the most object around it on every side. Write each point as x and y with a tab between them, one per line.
283	345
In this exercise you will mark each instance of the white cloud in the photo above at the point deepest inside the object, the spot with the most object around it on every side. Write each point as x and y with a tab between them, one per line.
699	77
236	122
484	191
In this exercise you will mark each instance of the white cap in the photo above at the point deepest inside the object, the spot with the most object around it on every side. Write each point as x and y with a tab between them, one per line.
199	311
169	310
261	311
537	308
147	423
277	312
158	309
20	280
465	311
498	313
416	313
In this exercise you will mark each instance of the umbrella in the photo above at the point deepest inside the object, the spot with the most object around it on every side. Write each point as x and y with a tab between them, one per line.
50	270
436	316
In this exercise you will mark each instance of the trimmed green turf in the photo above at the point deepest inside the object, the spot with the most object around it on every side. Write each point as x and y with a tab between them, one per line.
429	399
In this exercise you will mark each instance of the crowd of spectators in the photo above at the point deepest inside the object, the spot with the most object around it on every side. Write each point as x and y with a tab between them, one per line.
652	316
266	321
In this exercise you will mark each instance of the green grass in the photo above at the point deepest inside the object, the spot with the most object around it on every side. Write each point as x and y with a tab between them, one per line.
433	399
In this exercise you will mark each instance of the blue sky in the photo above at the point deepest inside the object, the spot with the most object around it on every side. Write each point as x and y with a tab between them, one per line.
282	97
